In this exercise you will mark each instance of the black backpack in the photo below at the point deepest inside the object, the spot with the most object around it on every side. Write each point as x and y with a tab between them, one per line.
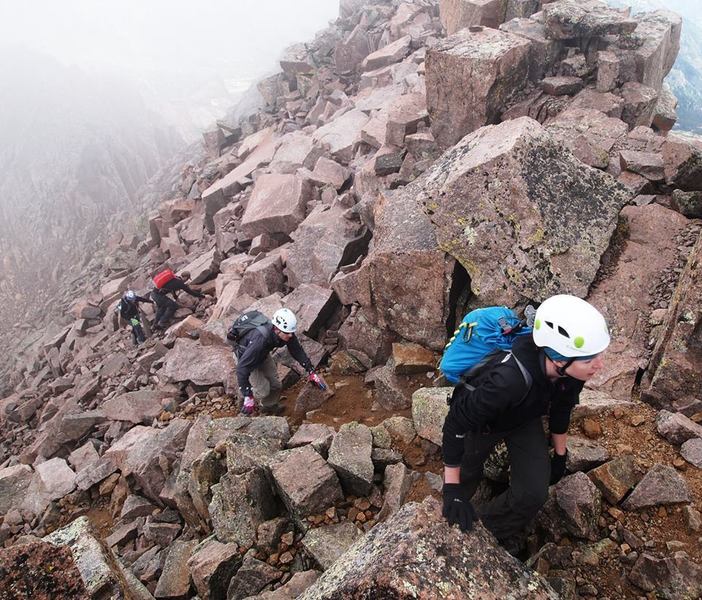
246	322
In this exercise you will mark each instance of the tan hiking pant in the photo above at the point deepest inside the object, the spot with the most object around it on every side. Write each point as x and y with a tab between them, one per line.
266	384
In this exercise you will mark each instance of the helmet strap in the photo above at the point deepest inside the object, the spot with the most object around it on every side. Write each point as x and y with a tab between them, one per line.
562	370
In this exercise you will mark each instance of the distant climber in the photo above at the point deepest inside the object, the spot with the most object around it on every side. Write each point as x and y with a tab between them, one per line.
128	310
254	337
166	282
505	404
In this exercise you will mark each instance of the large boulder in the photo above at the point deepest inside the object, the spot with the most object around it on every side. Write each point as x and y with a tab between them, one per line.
577	19
673	577
674	378
203	365
240	503
625	294
141	406
102	574
148	454
544	51
305	482
429	410
350	456
459	14
324	242
277	205
417	550
471	78
342	135
406	257
523	216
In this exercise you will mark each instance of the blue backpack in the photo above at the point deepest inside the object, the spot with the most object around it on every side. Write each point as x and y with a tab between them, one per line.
483	335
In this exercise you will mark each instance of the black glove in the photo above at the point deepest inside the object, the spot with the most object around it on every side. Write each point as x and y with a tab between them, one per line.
457	506
558	467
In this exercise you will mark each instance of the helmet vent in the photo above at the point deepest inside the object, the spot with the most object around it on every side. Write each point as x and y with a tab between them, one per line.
563	332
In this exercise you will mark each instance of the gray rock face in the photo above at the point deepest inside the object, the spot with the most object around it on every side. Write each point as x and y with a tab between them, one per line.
306	483
660	486
674	578
553	227
317	435
429	410
416	549
350	456
571	19
240	503
691	451
677	428
481	69
245	452
327	543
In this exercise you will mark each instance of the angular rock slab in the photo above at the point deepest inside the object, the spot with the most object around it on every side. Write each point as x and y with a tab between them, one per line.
240	503
660	486
406	257
277	205
14	482
477	69
142	406
675	371
327	543
677	428
524	217
459	14
350	456
417	550
102	574
175	578
674	577
203	365
429	410
305	482
691	451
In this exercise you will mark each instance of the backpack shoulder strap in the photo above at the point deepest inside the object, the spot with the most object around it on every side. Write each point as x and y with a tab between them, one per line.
528	379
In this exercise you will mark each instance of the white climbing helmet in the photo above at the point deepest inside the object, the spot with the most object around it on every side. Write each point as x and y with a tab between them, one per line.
570	326
285	320
130	295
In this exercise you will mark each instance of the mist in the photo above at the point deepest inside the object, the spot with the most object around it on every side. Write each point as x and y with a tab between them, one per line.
97	97
189	61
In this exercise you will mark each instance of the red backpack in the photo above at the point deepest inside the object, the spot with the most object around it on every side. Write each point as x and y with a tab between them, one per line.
163	278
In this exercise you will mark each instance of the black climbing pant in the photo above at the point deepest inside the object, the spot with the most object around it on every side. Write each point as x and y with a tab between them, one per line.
506	515
165	308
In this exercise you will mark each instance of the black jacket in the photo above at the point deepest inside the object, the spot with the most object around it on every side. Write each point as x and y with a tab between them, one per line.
177	284
130	310
255	346
499	404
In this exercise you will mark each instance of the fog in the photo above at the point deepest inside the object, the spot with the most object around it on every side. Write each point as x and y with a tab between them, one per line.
98	96
188	60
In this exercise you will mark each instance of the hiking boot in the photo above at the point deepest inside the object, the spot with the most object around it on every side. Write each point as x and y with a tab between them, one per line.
272	410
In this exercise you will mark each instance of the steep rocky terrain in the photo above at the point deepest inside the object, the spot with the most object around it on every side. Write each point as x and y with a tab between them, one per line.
416	159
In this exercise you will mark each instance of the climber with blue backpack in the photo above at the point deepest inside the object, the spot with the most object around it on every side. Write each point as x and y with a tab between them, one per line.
512	375
254	337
